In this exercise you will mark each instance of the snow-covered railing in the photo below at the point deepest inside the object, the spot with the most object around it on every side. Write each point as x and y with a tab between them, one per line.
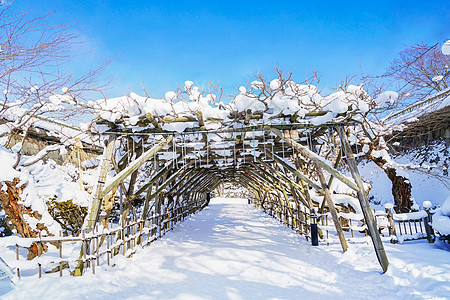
99	246
399	227
300	219
409	226
418	104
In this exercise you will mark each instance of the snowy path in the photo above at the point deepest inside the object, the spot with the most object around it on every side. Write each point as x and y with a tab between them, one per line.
231	250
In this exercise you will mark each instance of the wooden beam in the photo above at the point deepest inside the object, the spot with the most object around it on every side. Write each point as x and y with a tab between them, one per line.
263	181
282	178
155	177
181	180
293	170
104	169
365	205
243	178
316	158
169	180
288	182
331	207
330	181
192	182
135	165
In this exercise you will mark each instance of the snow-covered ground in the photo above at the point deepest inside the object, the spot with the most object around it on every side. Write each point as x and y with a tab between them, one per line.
232	250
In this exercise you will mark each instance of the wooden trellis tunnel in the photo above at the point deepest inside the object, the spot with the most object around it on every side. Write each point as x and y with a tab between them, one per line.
164	176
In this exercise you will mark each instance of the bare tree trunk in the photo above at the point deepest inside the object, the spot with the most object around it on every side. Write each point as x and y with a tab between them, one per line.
16	211
401	190
401	187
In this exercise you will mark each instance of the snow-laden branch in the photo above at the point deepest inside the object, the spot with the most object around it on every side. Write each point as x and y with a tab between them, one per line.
41	154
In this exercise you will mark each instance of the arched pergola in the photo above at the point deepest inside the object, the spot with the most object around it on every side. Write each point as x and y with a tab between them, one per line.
283	141
277	164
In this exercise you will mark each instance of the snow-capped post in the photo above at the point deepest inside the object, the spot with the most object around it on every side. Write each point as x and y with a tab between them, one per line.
364	202
392	233
314	228
431	237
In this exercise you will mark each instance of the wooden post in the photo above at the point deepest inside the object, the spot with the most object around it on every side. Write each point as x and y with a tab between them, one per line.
392	232
427	222
108	252
60	258
351	227
106	165
314	229
330	204
365	205
123	239
326	224
83	236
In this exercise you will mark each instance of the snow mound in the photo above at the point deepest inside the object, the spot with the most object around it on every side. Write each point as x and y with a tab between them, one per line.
441	219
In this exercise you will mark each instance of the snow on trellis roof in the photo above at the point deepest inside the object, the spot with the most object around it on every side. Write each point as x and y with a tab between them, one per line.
274	104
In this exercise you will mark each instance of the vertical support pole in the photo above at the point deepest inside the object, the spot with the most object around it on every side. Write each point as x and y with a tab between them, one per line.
60	259
331	207
83	236
108	252
97	201
390	215
351	227
159	221
431	238
123	239
93	267
314	229
365	205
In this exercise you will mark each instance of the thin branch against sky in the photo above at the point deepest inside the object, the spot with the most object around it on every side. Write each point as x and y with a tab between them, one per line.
161	44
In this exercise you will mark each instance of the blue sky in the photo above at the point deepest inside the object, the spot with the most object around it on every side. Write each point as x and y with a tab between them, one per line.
160	44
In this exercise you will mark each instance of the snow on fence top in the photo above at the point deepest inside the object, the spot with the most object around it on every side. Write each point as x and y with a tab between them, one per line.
411	113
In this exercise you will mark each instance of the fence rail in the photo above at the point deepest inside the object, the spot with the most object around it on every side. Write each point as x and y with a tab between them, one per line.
398	227
100	245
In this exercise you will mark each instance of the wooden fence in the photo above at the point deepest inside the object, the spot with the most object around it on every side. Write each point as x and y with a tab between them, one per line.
397	227
101	245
